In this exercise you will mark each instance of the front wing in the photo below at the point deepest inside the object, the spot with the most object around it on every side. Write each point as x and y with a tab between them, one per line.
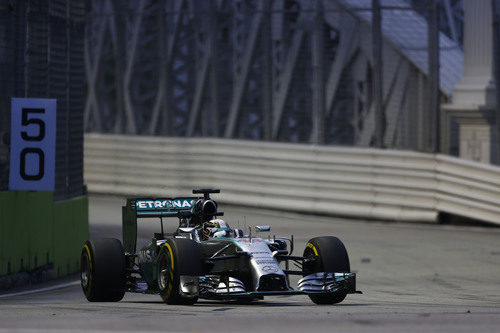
313	284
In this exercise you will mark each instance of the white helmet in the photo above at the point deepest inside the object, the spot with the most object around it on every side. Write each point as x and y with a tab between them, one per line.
220	228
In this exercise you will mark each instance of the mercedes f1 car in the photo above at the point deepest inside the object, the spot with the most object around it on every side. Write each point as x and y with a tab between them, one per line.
204	258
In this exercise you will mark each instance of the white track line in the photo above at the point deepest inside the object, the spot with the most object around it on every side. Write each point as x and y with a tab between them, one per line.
66	330
34	291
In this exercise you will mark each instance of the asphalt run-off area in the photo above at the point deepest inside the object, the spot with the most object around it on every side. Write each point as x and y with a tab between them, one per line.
414	278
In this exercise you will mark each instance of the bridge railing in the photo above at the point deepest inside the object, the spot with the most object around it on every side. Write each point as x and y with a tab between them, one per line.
356	182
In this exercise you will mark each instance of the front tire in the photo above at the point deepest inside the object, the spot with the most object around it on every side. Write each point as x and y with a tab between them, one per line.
332	258
102	270
178	257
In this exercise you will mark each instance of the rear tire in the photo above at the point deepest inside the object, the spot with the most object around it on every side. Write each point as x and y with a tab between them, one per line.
178	257
332	258
103	270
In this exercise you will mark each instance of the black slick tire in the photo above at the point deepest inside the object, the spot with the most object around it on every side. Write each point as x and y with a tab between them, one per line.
178	257
331	257
103	270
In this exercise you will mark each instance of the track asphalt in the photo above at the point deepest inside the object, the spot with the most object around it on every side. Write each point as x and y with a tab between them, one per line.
415	278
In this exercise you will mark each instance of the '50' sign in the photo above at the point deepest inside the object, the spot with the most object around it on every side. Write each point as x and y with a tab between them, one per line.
33	144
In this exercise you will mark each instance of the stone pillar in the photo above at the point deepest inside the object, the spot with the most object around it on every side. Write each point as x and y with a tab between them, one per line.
477	86
473	101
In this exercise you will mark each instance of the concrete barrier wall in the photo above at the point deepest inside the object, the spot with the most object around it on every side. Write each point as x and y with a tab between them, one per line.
36	231
365	183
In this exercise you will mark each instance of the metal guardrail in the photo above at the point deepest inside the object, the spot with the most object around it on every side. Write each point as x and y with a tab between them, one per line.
357	182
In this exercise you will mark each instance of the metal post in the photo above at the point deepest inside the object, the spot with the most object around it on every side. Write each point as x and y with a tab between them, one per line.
377	74
27	36
496	64
433	53
119	50
68	101
214	91
164	109
267	95
318	132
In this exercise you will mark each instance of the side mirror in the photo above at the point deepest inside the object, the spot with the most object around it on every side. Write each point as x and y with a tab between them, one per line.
262	228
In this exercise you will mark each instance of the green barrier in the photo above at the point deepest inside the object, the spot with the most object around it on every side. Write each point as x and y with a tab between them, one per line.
35	231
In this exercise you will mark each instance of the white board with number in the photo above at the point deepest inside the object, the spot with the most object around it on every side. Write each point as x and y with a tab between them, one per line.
32	144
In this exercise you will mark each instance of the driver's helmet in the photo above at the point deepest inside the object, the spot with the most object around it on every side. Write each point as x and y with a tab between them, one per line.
218	228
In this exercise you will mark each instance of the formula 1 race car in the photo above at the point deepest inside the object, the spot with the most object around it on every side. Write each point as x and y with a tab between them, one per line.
205	258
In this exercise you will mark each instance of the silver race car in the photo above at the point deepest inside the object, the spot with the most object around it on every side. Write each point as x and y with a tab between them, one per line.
206	258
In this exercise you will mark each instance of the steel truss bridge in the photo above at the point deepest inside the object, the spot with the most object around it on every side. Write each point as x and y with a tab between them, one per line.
276	70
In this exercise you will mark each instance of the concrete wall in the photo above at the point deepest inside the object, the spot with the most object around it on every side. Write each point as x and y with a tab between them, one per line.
357	182
35	231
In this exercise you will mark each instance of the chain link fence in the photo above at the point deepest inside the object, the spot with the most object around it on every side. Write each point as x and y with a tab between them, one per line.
282	70
41	56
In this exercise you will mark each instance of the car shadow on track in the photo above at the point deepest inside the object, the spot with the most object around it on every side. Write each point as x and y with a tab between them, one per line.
228	305
221	303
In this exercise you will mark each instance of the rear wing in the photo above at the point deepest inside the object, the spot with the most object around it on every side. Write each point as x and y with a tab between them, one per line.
150	208
164	207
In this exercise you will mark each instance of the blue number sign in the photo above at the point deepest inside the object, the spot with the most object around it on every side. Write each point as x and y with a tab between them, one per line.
32	144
